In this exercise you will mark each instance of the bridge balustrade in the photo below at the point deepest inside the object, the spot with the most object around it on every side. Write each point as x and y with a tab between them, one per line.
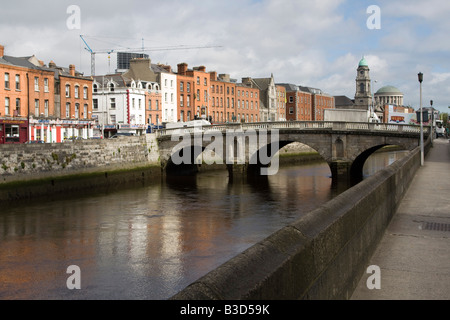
299	125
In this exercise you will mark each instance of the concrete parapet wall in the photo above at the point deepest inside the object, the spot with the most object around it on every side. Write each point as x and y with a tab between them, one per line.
320	256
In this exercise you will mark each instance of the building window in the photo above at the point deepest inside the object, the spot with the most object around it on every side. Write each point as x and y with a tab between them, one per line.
6	80
77	92
111	87
6	106
67	91
68	110
85	112
17	112
181	100
46	85
85	92
198	94
112	118
95	103
291	110
188	87
36	84
205	82
46	108
95	87
150	104
77	110
188	101
18	82
198	80
157	105
36	108
181	85
112	103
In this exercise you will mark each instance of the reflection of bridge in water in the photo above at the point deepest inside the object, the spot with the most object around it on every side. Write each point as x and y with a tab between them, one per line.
249	148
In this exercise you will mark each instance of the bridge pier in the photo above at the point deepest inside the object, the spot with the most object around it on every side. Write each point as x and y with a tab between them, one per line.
340	171
237	171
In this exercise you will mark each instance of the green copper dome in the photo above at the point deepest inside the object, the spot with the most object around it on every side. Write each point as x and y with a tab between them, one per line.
363	62
389	90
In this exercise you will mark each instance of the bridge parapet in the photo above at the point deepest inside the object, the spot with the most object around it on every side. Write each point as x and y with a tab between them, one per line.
299	125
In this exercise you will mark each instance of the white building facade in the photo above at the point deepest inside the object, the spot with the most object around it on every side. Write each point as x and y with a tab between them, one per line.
118	105
169	96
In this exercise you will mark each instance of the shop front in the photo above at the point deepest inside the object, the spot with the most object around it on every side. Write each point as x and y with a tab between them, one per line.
13	131
56	131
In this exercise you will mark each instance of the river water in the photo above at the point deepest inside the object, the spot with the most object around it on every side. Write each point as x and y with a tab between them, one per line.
151	242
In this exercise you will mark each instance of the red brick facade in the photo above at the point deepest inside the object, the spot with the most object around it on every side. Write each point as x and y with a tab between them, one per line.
214	97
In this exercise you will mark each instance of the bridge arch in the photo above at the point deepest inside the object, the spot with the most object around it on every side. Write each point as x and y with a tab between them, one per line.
344	146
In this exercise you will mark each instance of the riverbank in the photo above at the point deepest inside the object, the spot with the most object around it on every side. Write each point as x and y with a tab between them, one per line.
79	184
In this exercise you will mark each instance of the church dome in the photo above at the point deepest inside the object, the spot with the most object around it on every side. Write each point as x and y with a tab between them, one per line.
363	62
389	90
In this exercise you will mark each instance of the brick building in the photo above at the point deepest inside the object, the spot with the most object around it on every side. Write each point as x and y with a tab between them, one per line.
281	103
306	103
30	101
267	96
217	98
298	103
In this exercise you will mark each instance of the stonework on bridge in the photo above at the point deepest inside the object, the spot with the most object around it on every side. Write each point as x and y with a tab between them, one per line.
344	146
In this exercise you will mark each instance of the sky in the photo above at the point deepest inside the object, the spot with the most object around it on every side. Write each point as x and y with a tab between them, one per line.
309	43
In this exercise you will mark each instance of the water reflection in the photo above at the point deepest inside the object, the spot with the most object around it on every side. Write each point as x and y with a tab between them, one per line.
149	242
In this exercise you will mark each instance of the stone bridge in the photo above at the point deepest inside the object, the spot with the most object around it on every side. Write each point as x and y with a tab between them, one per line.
252	148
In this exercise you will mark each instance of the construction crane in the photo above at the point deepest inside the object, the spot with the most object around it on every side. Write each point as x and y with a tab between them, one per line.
142	49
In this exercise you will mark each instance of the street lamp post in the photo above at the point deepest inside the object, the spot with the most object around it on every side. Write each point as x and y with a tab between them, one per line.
420	75
432	120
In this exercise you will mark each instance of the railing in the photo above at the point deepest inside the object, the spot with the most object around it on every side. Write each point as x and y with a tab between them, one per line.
298	125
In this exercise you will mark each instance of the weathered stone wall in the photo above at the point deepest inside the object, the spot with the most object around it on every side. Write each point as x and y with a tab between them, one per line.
33	170
320	256
35	161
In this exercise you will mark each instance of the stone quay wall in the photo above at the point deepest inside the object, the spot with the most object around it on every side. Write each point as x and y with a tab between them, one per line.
322	255
30	170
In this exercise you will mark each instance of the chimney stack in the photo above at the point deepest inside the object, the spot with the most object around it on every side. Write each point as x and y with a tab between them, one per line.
72	70
2	50
182	68
213	75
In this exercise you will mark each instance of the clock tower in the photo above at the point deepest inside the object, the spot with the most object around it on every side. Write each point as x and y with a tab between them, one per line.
363	95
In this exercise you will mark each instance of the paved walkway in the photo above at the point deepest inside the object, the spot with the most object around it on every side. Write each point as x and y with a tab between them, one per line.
414	253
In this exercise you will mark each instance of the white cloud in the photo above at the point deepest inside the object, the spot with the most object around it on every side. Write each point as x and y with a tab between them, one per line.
315	43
